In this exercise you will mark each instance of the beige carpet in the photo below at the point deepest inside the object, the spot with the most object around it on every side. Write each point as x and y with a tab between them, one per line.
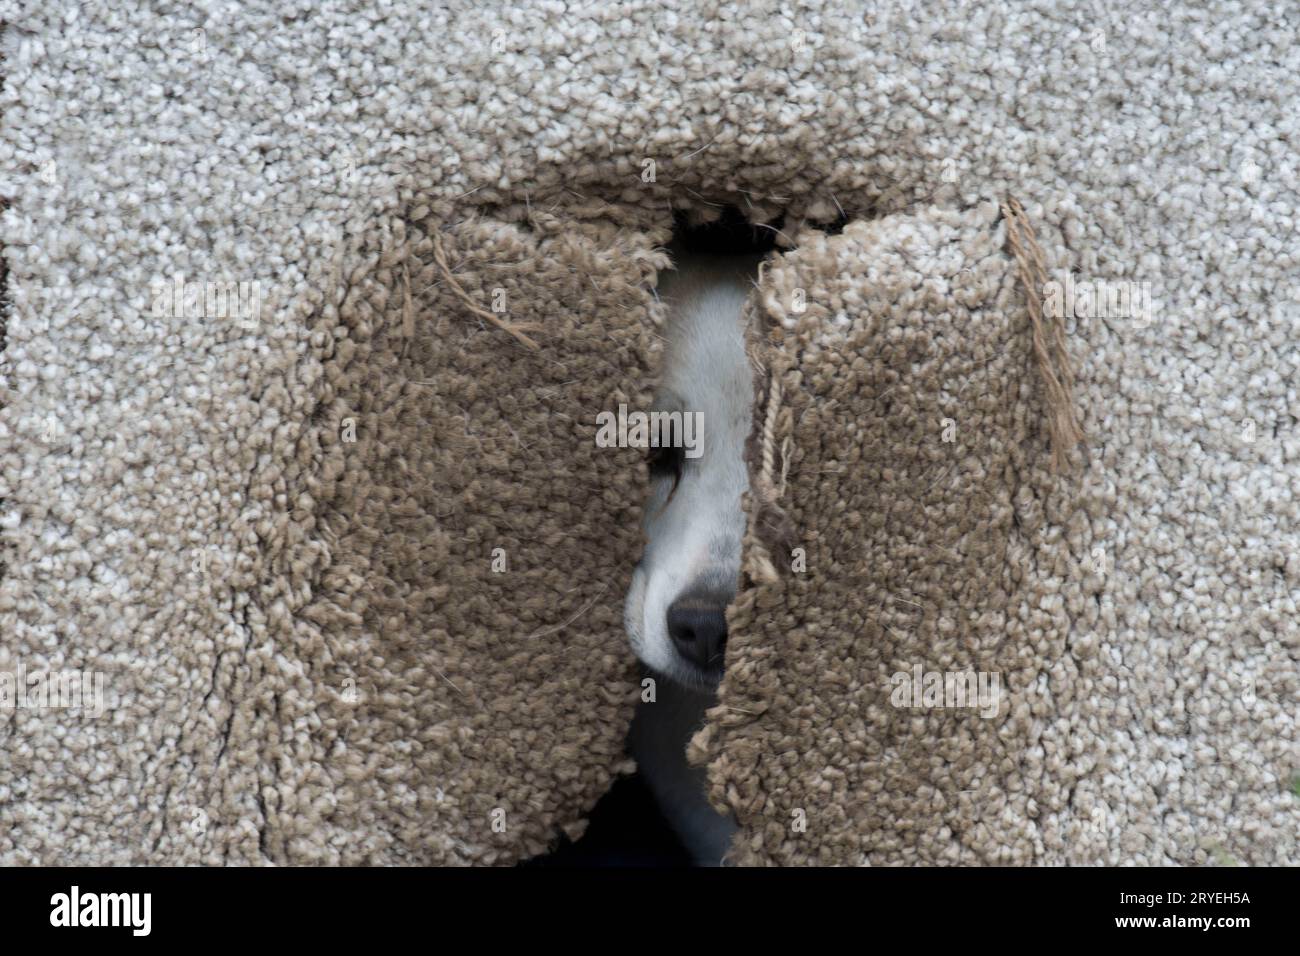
350	565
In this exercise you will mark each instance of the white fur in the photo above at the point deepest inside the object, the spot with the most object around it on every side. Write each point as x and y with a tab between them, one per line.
693	533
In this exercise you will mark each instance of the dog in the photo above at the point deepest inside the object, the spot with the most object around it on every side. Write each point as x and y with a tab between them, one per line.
675	612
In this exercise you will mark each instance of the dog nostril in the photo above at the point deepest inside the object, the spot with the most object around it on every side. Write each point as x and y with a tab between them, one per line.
699	631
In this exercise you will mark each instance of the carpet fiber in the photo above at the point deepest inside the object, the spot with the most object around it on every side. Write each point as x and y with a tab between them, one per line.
350	564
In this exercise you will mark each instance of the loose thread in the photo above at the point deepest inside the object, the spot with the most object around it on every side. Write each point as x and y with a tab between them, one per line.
1051	354
515	329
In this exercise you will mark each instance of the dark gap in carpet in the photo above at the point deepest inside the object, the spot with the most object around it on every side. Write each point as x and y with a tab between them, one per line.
732	234
625	829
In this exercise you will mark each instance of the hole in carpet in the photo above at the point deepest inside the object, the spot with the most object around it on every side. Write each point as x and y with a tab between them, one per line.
627	828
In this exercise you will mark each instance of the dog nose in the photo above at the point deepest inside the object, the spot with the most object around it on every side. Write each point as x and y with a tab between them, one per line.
699	630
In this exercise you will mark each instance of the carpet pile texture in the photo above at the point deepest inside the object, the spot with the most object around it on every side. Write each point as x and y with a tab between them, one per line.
311	310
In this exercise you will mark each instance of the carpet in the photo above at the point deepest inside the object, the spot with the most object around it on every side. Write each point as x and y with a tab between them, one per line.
312	307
